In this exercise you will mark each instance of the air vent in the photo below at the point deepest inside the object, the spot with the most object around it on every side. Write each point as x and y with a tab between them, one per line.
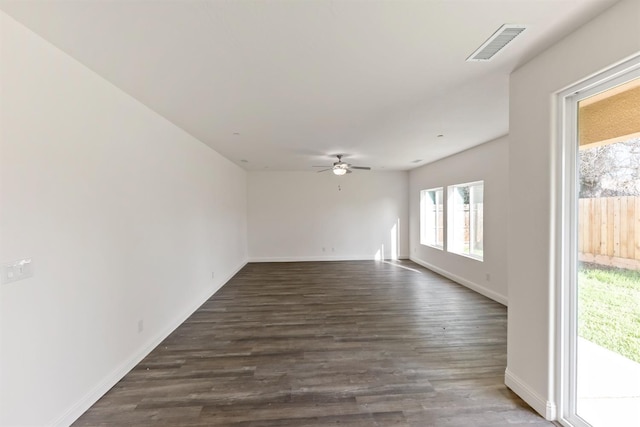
496	42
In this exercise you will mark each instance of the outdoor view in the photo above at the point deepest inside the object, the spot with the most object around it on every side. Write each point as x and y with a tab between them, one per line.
609	278
610	269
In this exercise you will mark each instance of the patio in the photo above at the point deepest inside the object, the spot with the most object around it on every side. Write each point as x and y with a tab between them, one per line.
609	390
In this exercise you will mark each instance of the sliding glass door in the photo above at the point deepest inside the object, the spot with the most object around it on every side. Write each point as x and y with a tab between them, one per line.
599	250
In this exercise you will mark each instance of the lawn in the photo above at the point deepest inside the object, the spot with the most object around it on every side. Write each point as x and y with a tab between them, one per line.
609	309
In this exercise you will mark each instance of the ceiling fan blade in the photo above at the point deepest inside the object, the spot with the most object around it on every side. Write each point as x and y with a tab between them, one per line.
324	170
365	168
325	166
349	171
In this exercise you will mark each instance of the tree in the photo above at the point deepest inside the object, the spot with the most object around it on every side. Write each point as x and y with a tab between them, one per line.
610	170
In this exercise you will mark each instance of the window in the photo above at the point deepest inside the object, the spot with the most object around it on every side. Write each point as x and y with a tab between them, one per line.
431	218
466	203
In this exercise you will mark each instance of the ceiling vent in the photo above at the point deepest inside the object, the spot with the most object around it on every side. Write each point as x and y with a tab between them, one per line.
496	42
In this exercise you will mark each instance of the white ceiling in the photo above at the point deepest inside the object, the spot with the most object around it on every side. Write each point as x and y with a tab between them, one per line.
281	85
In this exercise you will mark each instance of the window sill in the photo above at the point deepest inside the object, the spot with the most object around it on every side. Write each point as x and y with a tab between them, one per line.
433	246
470	256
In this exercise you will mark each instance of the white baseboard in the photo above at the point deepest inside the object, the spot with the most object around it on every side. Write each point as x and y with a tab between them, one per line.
319	258
80	407
544	407
464	282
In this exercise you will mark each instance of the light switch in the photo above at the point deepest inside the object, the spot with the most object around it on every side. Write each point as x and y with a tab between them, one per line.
17	270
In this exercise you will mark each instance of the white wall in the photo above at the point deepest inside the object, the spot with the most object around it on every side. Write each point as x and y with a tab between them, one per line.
294	215
125	217
487	162
609	38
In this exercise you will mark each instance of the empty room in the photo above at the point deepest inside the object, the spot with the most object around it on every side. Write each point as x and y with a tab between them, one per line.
324	212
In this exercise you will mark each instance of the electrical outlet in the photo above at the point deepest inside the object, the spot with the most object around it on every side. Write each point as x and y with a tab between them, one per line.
488	277
213	275
140	325
17	270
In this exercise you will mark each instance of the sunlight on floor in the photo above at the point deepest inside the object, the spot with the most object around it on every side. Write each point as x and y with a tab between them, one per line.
396	264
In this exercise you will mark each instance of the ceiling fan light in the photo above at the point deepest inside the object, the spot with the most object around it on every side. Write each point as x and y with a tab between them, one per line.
339	171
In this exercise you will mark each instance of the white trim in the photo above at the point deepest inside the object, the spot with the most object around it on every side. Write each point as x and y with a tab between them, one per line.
82	405
464	282
321	258
544	407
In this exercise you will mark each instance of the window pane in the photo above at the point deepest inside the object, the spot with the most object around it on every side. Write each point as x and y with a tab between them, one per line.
431	211
476	207
439	219
466	219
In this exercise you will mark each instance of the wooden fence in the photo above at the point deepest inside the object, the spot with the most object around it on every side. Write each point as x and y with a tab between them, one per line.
609	231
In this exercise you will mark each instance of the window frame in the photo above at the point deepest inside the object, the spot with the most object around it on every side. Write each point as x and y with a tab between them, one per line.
456	243
436	222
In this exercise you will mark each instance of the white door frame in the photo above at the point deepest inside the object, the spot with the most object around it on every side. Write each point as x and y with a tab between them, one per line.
566	228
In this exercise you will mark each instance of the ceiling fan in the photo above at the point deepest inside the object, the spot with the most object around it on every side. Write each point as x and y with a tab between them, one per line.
340	167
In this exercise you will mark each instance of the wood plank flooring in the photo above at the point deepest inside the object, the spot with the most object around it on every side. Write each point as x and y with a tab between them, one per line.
357	343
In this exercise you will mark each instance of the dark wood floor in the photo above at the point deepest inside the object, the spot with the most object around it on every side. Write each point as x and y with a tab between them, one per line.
359	343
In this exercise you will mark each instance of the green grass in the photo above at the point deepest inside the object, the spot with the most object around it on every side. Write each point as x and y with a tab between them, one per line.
609	309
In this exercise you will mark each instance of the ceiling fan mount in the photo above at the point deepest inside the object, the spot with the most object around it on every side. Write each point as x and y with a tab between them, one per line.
341	168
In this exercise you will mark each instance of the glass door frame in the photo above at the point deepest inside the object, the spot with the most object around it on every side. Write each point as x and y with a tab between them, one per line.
565	185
